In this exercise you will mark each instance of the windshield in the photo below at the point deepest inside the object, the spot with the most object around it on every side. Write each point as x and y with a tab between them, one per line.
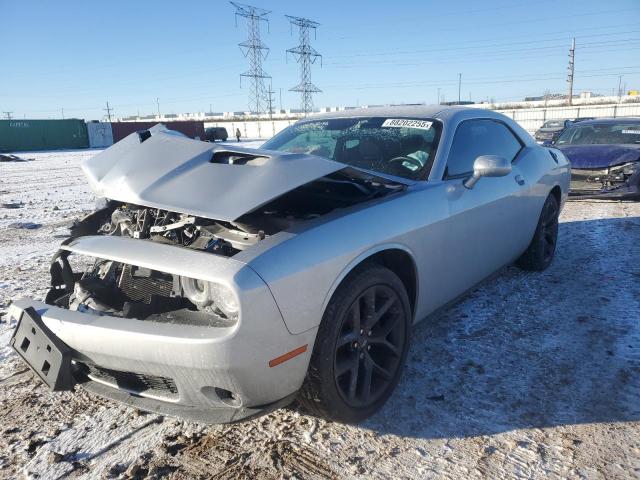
601	134
554	124
394	146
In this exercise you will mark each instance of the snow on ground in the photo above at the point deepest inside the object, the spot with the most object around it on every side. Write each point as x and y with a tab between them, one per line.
532	375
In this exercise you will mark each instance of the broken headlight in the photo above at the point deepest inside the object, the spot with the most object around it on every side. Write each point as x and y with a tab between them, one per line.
626	169
210	297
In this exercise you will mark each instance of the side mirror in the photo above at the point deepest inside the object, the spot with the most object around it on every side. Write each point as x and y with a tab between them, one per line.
488	166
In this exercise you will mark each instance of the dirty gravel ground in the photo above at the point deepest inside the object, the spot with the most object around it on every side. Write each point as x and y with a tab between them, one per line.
533	375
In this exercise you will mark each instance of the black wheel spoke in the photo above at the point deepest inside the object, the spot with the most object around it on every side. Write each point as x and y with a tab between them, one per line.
366	383
347	338
384	308
369	307
353	381
343	366
387	345
386	329
385	374
355	317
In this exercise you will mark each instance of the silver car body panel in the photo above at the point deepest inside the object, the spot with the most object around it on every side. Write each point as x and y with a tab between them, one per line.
172	172
485	228
454	236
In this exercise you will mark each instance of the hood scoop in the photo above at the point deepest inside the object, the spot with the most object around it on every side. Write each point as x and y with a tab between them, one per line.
238	158
169	171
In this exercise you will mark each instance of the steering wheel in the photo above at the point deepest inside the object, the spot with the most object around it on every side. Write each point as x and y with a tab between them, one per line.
407	159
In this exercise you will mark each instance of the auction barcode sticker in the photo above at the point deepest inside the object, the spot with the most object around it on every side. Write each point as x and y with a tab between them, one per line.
405	123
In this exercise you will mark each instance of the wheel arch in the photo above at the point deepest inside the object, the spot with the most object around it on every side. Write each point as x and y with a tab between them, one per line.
396	257
557	192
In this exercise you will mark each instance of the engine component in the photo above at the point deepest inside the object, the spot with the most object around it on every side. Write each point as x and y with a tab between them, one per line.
141	284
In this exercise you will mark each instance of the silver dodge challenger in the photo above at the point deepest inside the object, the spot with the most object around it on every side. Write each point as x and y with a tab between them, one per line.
218	283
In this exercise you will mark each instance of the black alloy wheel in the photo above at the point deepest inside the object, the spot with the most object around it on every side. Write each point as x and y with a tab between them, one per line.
360	347
369	348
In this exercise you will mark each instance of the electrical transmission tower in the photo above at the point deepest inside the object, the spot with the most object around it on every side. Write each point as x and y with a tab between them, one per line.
307	55
108	110
256	52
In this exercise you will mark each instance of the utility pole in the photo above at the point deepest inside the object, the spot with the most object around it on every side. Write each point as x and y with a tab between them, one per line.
256	52
270	100
306	56
619	88
459	86
438	101
62	109
108	110
8	115
158	105
281	100
572	53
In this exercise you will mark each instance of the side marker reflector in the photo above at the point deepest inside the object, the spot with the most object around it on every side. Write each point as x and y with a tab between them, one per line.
288	356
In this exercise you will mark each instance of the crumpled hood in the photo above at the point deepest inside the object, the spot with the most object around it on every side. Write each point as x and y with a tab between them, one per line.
600	156
172	172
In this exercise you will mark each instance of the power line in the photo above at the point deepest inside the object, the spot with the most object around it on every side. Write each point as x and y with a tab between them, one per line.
476	45
306	56
476	58
8	115
417	20
595	47
256	52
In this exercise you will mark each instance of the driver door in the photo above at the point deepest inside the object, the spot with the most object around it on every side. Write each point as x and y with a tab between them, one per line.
486	229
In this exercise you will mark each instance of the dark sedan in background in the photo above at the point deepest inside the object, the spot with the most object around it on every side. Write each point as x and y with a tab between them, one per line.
550	129
549	133
605	157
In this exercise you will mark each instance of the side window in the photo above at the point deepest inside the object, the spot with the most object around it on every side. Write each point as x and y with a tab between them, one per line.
479	137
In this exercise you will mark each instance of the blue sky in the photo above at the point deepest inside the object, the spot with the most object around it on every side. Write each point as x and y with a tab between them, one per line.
77	55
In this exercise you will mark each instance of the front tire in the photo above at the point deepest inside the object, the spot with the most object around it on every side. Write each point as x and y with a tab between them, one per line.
361	347
542	249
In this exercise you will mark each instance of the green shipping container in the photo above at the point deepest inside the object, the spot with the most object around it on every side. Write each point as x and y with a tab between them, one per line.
29	135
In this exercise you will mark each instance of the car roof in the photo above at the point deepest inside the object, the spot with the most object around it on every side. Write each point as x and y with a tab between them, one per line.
451	116
608	121
412	111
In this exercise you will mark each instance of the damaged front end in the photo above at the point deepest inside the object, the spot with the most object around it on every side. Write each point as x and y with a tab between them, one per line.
619	181
108	287
152	301
222	202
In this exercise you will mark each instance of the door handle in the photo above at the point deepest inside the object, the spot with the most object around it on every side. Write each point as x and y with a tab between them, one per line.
519	179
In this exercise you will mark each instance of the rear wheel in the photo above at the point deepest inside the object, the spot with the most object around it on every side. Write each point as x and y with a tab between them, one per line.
360	348
542	249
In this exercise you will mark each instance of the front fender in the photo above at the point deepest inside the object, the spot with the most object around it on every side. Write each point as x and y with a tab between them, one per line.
363	257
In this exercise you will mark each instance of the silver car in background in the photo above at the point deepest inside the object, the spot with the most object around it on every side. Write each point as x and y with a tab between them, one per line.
217	283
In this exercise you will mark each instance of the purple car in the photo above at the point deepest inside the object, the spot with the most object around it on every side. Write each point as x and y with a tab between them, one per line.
605	157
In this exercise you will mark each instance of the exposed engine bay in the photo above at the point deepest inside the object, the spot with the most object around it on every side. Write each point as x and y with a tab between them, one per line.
338	190
106	287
